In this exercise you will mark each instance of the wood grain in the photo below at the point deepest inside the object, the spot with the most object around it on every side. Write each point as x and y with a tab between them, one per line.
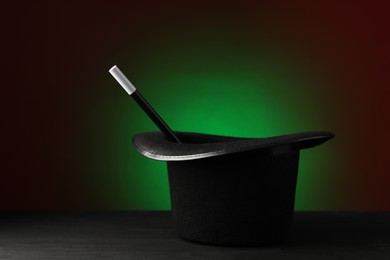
150	235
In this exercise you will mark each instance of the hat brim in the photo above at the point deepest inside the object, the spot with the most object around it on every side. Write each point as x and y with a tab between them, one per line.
197	146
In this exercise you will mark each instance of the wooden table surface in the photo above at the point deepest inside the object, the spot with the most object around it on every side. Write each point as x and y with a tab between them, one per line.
150	235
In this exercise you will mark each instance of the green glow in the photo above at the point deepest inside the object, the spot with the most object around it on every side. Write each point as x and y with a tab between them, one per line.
214	88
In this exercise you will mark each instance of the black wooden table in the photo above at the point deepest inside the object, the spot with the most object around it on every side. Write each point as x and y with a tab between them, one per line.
150	235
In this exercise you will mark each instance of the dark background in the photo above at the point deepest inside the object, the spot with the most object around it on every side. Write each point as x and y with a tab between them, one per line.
55	61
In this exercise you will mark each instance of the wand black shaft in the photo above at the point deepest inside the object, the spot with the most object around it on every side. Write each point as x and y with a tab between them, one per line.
148	109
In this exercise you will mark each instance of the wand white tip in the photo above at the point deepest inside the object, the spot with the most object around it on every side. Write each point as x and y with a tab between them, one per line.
122	80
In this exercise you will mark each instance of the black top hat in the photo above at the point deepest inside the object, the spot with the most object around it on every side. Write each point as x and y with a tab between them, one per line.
226	190
229	190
